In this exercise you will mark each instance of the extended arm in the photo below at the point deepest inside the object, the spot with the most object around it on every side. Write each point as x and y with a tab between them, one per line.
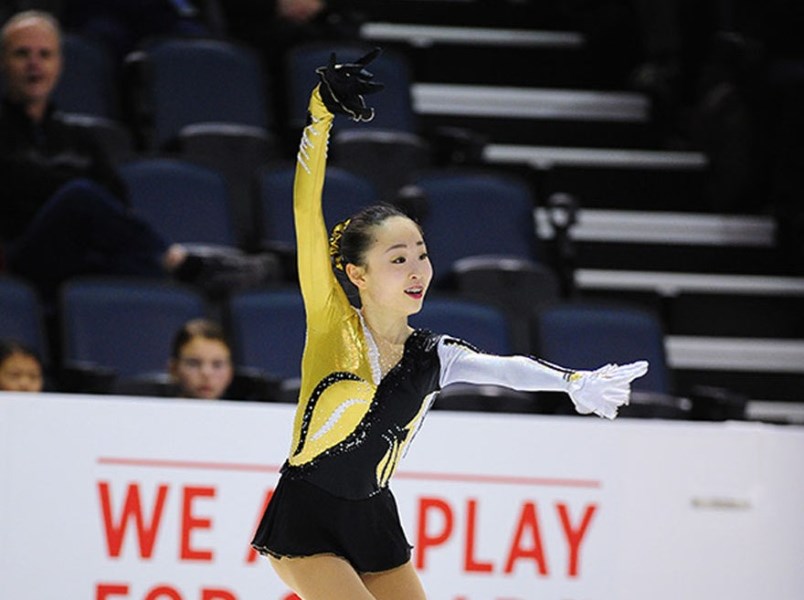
601	391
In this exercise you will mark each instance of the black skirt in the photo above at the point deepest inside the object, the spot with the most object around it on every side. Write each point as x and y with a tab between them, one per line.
303	520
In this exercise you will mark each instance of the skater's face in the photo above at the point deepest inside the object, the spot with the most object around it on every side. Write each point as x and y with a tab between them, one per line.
31	60
396	271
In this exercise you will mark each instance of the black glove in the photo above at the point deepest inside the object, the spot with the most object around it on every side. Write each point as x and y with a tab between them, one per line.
344	85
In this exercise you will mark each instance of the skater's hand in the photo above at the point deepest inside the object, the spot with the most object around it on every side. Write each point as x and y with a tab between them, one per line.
343	86
604	390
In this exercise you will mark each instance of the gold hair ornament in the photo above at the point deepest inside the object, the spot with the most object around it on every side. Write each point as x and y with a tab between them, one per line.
335	244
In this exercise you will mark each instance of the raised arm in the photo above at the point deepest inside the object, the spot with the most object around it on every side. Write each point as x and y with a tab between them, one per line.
318	284
341	90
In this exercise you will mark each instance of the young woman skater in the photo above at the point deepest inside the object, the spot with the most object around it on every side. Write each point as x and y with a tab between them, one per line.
332	530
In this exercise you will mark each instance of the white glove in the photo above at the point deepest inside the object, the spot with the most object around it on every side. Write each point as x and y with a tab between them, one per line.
604	390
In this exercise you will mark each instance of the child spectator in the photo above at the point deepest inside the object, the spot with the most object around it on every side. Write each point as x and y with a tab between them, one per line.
201	361
20	368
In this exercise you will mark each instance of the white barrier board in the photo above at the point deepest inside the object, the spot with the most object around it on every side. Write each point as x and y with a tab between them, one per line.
110	498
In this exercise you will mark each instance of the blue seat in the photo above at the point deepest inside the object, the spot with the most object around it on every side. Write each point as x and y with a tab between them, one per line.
517	286
393	106
473	213
344	194
267	331
115	140
586	336
389	159
190	80
124	325
184	202
21	315
237	152
88	84
483	326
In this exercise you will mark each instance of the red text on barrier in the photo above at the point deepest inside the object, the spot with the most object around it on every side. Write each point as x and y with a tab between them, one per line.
146	521
436	525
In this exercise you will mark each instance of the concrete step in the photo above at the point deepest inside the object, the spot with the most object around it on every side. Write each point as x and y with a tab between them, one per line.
669	284
671	228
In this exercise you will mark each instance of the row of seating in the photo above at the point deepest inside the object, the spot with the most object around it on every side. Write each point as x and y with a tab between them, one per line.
180	90
121	329
171	83
208	100
463	213
205	100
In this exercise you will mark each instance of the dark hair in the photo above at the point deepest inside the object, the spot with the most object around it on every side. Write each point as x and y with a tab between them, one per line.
350	239
11	347
203	328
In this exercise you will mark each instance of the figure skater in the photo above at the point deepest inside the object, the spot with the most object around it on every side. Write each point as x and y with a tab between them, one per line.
332	529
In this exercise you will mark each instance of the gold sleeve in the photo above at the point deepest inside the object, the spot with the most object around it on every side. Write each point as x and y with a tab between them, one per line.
320	289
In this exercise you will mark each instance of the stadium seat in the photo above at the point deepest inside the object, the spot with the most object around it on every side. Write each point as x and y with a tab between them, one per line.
184	81
344	194
114	139
237	152
517	286
184	202
267	333
21	315
586	335
389	159
474	213
88	84
123	326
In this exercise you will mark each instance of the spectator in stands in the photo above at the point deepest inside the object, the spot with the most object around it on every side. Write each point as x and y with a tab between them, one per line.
63	210
201	360
20	368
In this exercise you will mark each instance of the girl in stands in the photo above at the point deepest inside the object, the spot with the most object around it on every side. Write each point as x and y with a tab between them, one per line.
332	530
201	360
20	368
